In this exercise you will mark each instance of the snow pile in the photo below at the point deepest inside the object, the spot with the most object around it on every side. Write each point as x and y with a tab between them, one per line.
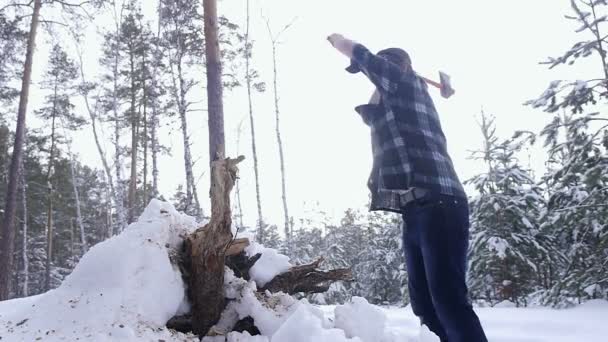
361	319
121	289
268	266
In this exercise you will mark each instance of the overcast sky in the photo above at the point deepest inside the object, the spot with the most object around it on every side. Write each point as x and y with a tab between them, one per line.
491	49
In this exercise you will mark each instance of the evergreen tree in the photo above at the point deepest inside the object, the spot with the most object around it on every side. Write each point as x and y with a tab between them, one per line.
58	110
576	180
509	248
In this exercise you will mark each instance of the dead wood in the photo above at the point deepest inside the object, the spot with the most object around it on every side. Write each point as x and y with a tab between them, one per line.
307	278
206	248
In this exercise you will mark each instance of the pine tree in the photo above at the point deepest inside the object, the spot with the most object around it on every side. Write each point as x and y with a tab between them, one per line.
183	40
509	248
58	110
576	180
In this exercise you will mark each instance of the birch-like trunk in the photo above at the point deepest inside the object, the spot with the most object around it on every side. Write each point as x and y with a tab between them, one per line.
131	200
179	95
280	144
260	224
83	241
120	199
24	259
7	238
274	42
49	208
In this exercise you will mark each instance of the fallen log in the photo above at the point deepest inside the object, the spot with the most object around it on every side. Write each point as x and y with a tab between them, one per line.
307	278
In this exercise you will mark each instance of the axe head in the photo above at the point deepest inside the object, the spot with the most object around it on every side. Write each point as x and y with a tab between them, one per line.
446	85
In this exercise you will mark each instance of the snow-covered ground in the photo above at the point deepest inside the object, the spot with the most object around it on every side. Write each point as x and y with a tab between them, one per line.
126	288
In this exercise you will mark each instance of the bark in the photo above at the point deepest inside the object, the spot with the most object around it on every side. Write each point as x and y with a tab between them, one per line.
145	134
279	140
131	200
83	242
217	144
179	94
206	249
24	259
237	186
307	278
260	223
120	209
49	194
154	117
102	155
7	239
179	86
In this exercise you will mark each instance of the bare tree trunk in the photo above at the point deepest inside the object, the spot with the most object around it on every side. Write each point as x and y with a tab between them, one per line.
217	144
179	94
154	118
207	246
7	240
134	135
83	241
145	136
238	188
278	130
72	254
49	193
24	259
280	143
260	224
102	155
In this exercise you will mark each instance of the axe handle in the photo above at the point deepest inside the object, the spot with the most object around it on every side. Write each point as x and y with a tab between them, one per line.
433	83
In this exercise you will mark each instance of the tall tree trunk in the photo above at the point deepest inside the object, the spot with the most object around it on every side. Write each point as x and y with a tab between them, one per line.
280	143
145	133
49	194
134	132
102	155
24	259
120	199
206	247
237	185
7	240
179	94
154	118
217	144
260	223
83	241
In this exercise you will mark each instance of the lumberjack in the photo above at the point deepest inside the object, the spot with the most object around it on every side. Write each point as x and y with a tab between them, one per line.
413	175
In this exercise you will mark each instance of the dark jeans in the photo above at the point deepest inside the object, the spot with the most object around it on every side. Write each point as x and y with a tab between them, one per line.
435	240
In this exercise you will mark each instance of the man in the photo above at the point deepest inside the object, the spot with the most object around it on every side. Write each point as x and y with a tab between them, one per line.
412	174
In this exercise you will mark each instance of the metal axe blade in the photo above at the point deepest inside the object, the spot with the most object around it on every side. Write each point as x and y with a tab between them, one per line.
446	85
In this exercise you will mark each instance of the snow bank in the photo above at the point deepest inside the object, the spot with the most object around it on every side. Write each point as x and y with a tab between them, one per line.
360	318
304	325
120	290
269	266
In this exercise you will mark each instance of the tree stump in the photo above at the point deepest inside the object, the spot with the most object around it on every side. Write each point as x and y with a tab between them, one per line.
207	247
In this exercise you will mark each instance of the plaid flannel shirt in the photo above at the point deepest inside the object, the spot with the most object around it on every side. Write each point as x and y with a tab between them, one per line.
408	144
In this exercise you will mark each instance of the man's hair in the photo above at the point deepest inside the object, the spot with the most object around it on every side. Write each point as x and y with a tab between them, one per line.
396	56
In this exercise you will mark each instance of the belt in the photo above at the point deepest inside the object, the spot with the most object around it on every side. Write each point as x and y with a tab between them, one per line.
412	195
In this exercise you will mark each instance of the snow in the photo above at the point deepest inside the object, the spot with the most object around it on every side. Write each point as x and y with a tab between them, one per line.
269	266
126	288
119	290
499	246
361	319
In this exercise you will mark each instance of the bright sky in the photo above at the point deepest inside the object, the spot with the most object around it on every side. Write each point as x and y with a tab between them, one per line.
491	49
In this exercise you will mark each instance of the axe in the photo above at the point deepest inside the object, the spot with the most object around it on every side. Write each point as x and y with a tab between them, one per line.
444	84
